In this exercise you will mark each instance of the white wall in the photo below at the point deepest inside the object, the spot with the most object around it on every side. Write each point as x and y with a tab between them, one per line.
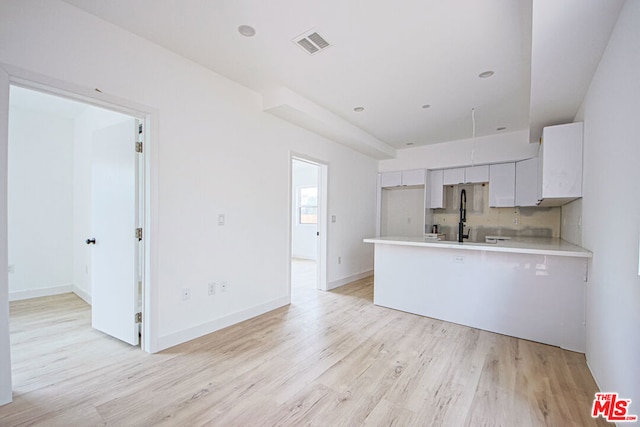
304	240
611	211
217	152
84	126
40	203
505	147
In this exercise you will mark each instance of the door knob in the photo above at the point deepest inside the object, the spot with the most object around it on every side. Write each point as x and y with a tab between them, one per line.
91	241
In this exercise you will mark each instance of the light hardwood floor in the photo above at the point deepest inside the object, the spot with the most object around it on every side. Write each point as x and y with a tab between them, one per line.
328	359
303	273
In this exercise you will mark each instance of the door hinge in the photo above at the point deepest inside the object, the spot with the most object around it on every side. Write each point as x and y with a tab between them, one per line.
138	147
139	317
139	234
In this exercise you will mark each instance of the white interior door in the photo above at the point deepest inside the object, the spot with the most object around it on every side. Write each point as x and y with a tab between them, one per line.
5	352
114	289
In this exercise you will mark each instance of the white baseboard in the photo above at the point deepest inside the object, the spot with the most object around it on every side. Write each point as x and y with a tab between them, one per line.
82	294
593	375
344	281
180	337
40	292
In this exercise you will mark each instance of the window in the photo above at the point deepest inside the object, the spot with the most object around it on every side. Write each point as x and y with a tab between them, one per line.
308	199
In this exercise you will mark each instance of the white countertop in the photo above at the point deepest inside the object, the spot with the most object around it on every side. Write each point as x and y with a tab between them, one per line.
533	245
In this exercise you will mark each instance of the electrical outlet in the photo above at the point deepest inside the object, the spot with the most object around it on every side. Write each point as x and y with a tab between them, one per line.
459	259
212	288
339	260
223	287
12	268
220	219
186	294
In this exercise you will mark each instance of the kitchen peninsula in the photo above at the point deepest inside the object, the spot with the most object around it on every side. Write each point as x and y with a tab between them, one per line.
527	288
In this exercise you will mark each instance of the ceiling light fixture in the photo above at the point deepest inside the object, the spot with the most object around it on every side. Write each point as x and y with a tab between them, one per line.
247	30
486	74
358	109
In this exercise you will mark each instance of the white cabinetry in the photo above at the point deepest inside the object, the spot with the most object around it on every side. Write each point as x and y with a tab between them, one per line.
502	185
401	202
476	174
402	178
453	176
560	165
468	175
413	177
436	189
390	179
527	182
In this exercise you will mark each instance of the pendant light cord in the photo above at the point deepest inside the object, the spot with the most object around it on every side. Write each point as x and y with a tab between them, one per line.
473	136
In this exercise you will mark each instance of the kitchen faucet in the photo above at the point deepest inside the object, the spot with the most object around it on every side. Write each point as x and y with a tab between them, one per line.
463	217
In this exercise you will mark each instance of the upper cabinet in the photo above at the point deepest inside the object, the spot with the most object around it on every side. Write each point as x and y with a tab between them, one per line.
436	189
502	185
468	175
560	165
476	174
391	179
403	178
527	182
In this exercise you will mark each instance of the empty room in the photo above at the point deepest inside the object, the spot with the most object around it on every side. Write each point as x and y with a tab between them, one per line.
342	213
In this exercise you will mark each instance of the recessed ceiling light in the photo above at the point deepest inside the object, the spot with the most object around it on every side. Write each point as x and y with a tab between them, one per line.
486	74
358	109
501	128
247	30
426	106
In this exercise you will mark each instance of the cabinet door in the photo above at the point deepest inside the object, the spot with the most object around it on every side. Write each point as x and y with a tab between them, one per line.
390	179
527	182
413	177
502	185
436	189
561	156
453	176
476	174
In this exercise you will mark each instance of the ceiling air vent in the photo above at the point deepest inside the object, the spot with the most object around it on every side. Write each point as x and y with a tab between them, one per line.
311	42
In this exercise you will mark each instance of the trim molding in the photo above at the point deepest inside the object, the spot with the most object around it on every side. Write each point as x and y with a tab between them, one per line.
349	279
41	292
189	334
82	294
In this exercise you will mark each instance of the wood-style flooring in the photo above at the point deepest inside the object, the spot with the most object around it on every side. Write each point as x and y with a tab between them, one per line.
328	359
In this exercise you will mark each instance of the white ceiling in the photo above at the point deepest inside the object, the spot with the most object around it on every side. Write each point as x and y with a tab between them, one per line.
392	58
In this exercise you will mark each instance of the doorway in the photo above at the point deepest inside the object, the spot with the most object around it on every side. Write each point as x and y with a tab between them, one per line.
308	224
75	199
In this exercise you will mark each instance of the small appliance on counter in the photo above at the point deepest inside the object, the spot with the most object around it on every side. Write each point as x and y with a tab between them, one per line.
435	236
496	239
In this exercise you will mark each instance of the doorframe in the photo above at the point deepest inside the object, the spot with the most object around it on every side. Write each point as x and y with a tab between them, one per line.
323	218
149	116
